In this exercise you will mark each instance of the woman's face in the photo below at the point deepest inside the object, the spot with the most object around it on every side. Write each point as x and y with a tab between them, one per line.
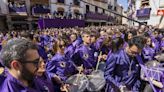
148	42
62	46
73	38
41	66
93	39
129	36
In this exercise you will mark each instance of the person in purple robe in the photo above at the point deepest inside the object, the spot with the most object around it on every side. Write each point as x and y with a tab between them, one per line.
69	51
42	78
60	68
21	58
148	51
84	55
122	70
155	42
162	44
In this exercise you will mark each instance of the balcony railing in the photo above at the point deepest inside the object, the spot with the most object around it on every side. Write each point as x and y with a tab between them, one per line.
145	12
18	10
61	1
97	16
40	10
76	2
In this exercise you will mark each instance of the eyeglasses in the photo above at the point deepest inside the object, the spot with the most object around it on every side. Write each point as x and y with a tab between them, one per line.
133	52
35	62
62	46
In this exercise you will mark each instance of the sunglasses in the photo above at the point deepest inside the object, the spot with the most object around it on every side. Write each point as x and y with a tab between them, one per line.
35	62
62	46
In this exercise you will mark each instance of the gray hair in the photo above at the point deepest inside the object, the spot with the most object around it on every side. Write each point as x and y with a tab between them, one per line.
15	49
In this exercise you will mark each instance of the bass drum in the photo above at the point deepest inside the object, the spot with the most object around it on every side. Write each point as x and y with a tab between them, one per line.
96	81
78	83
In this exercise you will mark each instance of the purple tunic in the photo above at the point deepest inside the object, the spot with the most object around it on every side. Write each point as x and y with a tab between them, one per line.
84	55
61	66
122	70
148	53
11	84
45	83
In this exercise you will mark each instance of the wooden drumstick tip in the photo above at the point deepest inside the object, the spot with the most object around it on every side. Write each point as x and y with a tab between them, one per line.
80	70
98	62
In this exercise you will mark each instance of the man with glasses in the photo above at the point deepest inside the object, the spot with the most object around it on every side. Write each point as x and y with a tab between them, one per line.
122	69
21	59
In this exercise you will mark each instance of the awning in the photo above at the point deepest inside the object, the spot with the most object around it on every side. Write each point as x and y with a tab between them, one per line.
143	12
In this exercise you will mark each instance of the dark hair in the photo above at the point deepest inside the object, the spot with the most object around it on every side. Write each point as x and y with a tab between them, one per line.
57	43
116	44
138	41
15	49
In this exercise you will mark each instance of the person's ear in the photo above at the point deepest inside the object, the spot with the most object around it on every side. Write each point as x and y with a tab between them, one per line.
15	65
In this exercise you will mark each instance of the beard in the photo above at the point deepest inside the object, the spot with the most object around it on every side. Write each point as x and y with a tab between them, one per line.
27	75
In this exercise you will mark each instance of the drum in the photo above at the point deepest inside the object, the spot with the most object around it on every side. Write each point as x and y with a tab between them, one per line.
78	83
96	81
152	63
160	57
153	69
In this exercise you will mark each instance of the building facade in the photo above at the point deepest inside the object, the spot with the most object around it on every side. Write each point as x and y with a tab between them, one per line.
24	14
150	12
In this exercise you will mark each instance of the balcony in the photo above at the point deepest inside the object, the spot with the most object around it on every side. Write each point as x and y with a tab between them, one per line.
97	16
61	1
39	10
18	10
76	2
145	12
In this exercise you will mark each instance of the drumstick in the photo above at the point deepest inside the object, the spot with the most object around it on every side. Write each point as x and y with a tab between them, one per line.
98	62
81	67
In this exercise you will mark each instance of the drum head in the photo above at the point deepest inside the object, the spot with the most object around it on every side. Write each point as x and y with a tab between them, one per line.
152	63
160	57
78	83
96	81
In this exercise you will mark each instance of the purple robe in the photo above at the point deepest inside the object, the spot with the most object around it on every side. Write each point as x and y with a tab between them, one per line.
11	84
122	70
84	55
61	66
45	83
148	53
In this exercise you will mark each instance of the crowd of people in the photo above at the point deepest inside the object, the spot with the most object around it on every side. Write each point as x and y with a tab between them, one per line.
43	61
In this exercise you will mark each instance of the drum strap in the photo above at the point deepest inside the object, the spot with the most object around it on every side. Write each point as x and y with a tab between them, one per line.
139	59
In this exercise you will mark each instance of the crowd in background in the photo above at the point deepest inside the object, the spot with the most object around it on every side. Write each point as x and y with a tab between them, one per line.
62	51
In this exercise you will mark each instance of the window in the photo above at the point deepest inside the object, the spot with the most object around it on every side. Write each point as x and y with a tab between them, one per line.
110	6
76	2
87	8
144	3
115	8
60	1
161	4
96	9
103	11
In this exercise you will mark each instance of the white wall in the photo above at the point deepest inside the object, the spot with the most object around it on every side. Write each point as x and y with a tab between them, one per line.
4	6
